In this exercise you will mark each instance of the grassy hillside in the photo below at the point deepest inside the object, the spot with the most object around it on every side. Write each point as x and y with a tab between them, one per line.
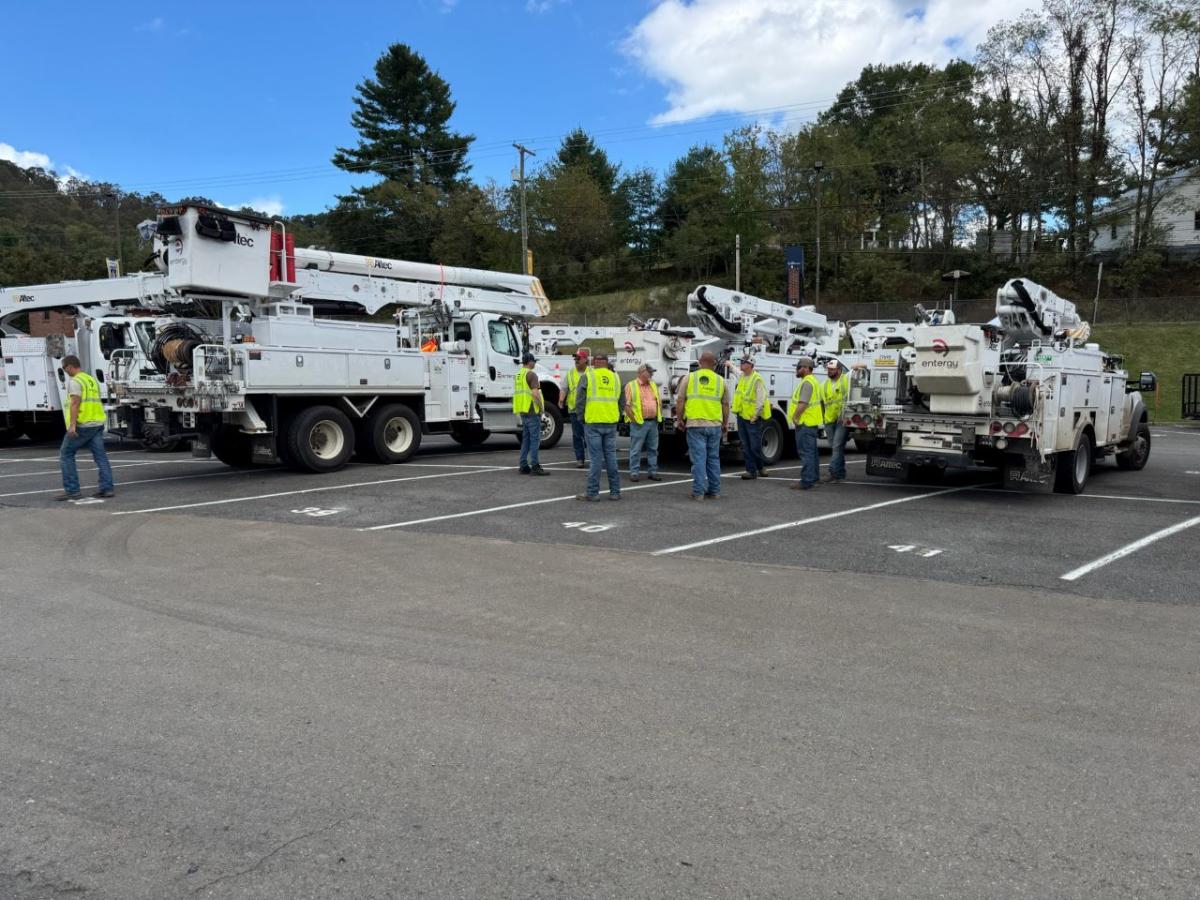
1168	350
667	301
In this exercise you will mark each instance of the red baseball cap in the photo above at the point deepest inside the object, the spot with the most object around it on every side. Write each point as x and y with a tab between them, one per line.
582	351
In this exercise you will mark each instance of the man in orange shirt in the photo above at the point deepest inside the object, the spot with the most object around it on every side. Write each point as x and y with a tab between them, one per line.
643	412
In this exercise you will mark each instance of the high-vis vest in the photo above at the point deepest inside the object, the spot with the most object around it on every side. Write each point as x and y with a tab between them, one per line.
633	402
705	388
91	409
522	393
603	396
745	397
834	397
812	413
572	387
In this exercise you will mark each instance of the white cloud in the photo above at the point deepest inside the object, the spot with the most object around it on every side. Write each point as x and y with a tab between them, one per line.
155	24
541	6
271	205
740	55
24	159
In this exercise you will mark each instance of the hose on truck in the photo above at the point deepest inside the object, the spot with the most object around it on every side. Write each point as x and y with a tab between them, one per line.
174	345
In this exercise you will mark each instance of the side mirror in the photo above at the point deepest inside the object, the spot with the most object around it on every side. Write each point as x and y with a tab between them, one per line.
1146	383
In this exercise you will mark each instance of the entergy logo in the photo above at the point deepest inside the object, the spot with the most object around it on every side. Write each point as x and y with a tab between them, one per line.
941	347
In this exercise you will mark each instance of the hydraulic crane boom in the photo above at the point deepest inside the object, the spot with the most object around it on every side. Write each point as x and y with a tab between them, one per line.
142	289
735	316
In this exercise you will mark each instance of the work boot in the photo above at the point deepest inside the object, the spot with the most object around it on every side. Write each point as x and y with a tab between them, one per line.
614	496
525	470
654	477
763	473
800	487
538	470
748	476
103	495
827	477
581	463
635	477
65	496
588	497
712	496
697	496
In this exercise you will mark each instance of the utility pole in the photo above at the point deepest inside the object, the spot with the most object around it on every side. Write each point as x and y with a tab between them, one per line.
737	262
817	167
116	198
523	150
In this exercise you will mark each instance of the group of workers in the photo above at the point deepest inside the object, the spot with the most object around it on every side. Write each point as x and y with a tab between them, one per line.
595	402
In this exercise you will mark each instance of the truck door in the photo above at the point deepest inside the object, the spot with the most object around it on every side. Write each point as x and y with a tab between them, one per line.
503	356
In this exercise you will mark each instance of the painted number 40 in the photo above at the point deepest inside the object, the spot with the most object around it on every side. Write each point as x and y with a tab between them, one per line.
584	526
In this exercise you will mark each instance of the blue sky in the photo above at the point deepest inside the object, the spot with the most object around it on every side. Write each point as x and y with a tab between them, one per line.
245	103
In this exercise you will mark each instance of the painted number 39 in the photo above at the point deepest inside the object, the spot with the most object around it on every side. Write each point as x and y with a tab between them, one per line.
584	526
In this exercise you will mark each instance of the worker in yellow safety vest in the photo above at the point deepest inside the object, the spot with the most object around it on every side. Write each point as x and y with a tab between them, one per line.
834	393
643	412
528	407
598	400
702	408
752	406
578	438
806	416
85	417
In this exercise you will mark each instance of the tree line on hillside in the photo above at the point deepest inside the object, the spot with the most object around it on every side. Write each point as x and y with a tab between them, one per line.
1063	109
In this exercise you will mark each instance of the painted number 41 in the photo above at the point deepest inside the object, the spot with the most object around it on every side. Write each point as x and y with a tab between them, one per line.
913	548
584	526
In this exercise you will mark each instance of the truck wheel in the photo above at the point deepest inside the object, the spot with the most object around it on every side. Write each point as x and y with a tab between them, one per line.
319	439
772	442
391	434
231	446
552	427
468	435
157	442
1072	467
1134	459
45	431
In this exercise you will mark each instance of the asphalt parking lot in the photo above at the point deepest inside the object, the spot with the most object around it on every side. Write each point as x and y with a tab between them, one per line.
444	679
964	530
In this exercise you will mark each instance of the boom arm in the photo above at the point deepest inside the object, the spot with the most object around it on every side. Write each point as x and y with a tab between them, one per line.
1028	311
735	316
142	288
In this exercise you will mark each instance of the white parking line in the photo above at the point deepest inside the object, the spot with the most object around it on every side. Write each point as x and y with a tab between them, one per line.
493	509
810	520
1095	564
314	490
55	458
114	465
123	484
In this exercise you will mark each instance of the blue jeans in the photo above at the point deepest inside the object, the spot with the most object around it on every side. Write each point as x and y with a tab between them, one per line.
806	449
93	439
531	439
602	448
578	438
750	434
837	440
643	436
704	447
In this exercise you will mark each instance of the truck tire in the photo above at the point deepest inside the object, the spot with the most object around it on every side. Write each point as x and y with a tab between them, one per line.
772	442
552	427
319	439
1134	459
156	442
1072	467
468	435
231	446
45	431
10	432
391	434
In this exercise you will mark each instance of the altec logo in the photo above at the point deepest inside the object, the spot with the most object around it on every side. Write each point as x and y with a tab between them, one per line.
243	241
940	347
373	263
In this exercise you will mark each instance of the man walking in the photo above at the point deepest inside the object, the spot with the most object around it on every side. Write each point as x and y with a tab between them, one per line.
751	406
528	405
643	412
598	400
85	428
804	412
702	408
834	394
578	439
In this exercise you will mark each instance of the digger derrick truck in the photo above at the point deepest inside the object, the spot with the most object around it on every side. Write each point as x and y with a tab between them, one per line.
1025	394
297	371
110	315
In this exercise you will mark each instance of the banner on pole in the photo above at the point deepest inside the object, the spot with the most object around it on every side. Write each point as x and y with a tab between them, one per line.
793	255
114	267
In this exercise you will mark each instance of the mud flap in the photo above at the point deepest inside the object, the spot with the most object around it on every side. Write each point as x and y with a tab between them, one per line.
201	447
880	464
1028	472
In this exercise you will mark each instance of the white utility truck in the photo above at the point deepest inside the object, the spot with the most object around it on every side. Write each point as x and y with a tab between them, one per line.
1025	393
109	315
298	371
